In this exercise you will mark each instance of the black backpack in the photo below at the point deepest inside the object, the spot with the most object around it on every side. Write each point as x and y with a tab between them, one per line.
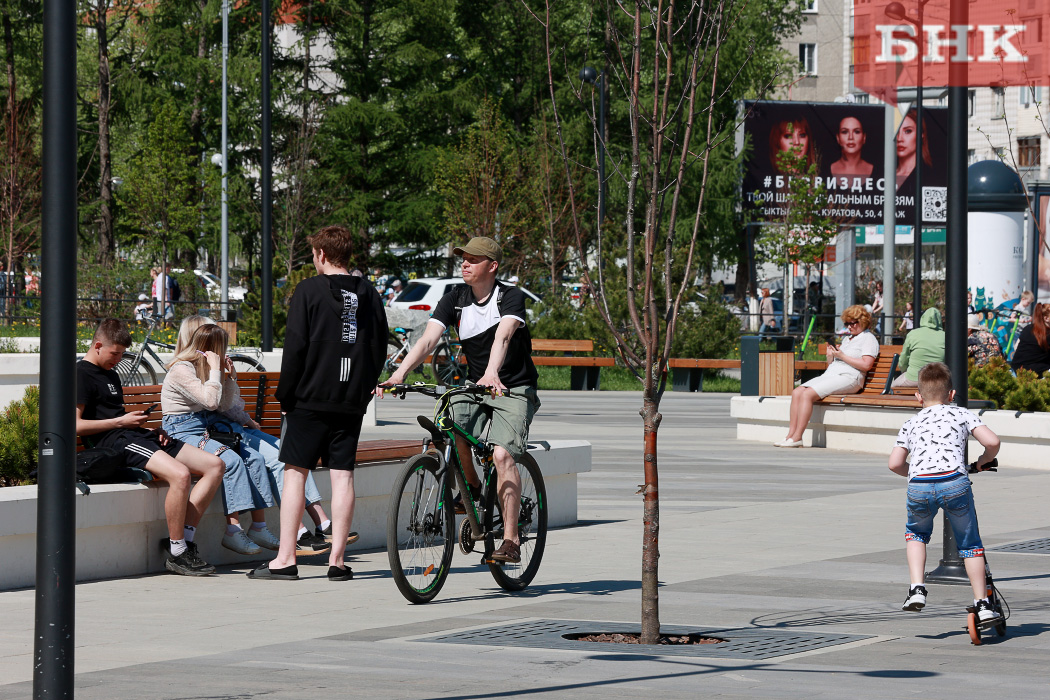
176	291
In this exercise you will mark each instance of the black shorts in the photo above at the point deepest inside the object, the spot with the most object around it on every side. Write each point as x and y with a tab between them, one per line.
139	445
310	437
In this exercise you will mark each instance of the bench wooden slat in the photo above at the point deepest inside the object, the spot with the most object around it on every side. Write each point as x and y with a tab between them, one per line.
574	361
874	381
556	345
702	363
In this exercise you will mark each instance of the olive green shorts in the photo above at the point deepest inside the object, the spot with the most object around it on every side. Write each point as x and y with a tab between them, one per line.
509	415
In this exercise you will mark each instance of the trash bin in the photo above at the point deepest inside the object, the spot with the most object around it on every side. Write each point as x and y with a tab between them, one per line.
769	372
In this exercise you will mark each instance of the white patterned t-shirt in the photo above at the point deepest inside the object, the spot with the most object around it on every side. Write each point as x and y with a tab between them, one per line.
936	440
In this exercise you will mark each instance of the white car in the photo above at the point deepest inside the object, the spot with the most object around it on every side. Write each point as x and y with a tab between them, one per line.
423	294
213	286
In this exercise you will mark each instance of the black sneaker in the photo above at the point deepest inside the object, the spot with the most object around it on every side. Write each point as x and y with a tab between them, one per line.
195	558
916	599
312	542
337	574
183	565
326	534
986	614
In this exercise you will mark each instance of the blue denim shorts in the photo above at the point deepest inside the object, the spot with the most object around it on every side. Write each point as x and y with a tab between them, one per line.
956	498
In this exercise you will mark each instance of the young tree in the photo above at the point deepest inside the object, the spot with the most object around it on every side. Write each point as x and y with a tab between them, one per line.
161	190
665	63
805	229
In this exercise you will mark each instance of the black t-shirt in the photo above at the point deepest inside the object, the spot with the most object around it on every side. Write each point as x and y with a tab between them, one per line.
100	392
477	331
1028	354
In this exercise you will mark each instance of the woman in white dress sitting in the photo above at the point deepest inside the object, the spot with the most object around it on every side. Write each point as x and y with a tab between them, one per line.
847	367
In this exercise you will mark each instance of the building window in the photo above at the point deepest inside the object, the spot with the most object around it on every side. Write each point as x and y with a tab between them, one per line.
809	5
1029	95
998	103
860	98
1028	152
971	157
971	103
1000	152
807	57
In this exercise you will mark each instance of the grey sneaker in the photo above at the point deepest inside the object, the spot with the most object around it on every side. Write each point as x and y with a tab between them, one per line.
239	542
264	538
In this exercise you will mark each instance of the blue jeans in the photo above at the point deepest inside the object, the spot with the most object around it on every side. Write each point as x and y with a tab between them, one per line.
245	485
956	498
270	449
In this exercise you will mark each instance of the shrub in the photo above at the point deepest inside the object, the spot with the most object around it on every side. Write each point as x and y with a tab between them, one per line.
19	438
992	382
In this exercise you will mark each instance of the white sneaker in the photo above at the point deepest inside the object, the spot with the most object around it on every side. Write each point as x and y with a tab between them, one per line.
916	599
264	538
789	443
239	542
985	612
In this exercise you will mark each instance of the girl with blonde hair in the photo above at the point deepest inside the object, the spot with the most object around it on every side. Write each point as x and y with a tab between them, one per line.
199	391
309	541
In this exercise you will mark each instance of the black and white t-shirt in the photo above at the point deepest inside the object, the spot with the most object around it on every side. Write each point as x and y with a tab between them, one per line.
936	439
100	393
477	331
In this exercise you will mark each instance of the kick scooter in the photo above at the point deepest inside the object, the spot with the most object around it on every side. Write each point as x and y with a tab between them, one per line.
973	624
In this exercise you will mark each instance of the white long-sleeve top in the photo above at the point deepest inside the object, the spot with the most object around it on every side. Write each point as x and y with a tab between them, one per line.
184	392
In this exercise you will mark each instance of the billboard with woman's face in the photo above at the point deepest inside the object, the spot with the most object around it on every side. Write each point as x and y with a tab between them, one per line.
843	145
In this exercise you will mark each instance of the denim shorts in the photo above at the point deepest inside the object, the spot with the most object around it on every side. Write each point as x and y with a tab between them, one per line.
956	498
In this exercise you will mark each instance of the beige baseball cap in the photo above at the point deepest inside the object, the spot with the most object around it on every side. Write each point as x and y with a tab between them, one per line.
481	245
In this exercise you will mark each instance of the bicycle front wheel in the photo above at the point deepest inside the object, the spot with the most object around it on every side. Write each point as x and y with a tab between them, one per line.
244	363
420	530
135	370
532	528
448	371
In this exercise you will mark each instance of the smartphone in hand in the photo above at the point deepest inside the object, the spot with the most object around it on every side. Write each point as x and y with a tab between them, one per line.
150	409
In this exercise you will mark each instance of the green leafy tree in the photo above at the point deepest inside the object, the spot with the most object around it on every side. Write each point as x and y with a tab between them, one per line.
162	186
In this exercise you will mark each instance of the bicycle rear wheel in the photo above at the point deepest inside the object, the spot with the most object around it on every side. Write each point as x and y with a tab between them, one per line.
245	363
448	371
532	528
420	530
131	375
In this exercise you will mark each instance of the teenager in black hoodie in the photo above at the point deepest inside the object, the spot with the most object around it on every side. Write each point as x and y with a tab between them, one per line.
334	347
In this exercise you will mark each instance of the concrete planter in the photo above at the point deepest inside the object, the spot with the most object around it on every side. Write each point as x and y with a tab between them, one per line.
119	526
1025	436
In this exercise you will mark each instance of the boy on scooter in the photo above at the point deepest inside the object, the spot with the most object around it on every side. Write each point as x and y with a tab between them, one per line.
937	478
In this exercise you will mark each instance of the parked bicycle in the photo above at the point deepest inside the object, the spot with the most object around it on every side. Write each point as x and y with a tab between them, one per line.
421	525
447	361
399	342
136	370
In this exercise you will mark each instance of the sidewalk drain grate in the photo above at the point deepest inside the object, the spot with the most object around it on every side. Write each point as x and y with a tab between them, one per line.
739	643
1041	546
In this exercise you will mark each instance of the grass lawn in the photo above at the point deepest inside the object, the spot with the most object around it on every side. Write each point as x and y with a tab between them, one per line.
613	379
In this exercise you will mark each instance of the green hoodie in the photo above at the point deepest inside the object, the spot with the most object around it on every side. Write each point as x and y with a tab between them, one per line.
923	345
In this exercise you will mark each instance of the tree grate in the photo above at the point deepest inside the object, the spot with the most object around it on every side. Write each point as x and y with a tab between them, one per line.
743	643
1041	546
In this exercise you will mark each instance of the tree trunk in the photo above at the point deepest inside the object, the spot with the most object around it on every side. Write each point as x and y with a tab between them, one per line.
107	243
650	522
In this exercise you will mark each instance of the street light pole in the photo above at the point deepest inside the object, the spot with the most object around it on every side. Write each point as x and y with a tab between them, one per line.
53	639
917	234
225	233
266	240
593	77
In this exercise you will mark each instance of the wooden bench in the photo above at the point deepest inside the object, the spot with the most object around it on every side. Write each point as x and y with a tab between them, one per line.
687	374
258	389
877	390
585	373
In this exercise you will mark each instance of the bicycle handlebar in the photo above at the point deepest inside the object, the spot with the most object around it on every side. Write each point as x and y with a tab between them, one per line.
990	467
402	390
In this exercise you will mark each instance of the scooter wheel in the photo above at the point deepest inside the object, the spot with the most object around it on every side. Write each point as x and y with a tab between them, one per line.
973	629
1000	629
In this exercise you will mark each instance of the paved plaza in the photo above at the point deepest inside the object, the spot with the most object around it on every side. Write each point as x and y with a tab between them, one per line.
794	556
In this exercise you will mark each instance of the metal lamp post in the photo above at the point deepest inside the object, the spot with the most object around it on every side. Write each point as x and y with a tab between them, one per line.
266	240
895	11
225	235
593	77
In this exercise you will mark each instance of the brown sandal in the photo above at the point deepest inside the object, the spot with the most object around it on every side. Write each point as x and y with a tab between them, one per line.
508	552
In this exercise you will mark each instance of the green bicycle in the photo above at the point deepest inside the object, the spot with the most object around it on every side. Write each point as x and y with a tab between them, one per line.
421	523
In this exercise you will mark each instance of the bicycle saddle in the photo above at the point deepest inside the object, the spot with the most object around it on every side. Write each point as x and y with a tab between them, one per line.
399	329
428	425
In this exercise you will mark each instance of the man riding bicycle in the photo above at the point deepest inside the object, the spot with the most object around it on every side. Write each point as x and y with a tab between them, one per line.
490	317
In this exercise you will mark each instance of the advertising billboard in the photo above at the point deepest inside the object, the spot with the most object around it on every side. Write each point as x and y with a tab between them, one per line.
845	142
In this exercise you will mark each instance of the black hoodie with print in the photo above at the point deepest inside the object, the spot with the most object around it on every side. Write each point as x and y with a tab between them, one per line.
334	345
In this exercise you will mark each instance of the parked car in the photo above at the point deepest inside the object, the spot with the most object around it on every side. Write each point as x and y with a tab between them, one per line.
213	285
424	293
